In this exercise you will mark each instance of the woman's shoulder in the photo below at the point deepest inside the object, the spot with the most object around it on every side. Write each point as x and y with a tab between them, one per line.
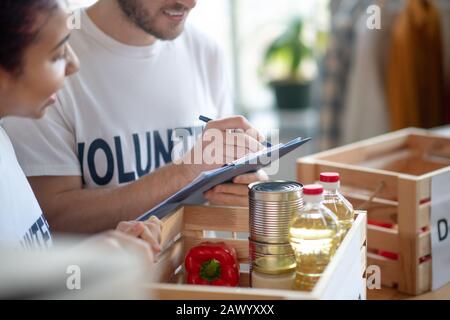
5	143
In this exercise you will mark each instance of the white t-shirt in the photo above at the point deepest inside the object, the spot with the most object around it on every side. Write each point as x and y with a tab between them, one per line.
21	221
119	117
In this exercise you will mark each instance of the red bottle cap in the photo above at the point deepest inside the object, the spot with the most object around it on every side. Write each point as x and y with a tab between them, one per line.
330	177
312	190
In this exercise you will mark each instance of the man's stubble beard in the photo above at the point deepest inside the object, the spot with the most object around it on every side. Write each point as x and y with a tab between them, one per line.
135	12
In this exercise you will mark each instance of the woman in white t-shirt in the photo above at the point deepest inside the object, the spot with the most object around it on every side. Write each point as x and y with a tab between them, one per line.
35	58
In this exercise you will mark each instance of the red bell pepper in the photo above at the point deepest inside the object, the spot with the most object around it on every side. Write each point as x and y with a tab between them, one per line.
213	264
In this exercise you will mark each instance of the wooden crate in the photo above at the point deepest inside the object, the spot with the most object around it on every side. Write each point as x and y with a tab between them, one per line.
186	227
390	177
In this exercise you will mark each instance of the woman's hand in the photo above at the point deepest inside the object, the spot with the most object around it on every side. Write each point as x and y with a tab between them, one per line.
149	231
115	241
140	238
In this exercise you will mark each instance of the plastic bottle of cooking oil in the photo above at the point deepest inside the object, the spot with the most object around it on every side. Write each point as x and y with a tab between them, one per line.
313	235
336	202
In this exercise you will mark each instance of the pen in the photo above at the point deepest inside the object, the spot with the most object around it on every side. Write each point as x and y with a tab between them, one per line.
206	120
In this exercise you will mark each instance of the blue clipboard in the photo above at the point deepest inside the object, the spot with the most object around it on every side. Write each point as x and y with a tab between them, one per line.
209	179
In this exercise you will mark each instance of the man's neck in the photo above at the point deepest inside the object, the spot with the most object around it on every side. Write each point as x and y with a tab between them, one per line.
122	30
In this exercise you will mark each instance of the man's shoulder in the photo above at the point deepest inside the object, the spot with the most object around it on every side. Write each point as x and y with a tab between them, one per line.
197	39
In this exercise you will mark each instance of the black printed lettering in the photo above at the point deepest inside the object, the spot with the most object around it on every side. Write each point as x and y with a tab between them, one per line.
160	149
442	229
137	150
81	160
124	177
100	144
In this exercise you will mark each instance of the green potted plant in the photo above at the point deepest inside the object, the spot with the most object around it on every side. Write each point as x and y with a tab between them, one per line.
284	67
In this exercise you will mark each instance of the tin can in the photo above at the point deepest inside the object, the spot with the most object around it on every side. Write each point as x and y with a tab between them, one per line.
272	206
268	252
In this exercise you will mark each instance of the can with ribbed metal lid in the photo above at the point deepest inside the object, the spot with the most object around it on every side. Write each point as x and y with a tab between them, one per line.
272	205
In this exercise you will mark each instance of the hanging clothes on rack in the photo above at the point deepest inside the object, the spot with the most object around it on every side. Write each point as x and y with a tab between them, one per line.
447	104
365	112
336	67
444	10
415	80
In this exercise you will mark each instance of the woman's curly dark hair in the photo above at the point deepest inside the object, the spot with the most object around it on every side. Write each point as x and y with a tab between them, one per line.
18	29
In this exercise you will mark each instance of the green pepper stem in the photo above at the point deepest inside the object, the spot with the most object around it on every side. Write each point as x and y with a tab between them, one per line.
210	270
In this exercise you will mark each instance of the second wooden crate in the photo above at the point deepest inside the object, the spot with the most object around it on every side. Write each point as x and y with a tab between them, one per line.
390	177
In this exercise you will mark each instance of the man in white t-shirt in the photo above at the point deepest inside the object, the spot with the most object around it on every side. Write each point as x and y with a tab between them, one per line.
88	160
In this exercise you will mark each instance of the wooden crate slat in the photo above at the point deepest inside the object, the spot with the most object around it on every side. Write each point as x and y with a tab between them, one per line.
385	211
426	179
172	226
383	239
380	210
193	234
424	244
366	194
232	219
241	246
430	143
169	261
191	292
410	162
424	278
409	200
424	189
424	215
244	279
360	178
371	147
390	162
387	144
177	278
307	171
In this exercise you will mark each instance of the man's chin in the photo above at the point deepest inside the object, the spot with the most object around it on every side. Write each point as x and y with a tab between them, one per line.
169	33
171	37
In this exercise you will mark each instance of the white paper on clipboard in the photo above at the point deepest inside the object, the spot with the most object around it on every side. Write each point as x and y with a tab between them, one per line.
440	230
